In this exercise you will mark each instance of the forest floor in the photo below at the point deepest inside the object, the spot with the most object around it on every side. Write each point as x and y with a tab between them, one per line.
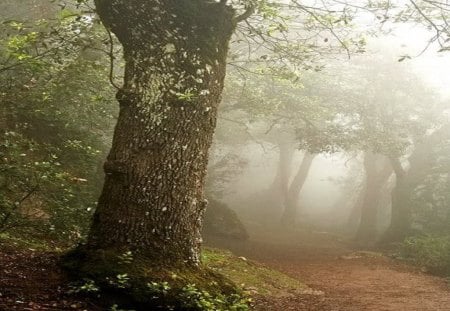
30	279
342	278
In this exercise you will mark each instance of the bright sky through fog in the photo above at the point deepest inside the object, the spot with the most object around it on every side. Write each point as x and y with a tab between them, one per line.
433	65
408	39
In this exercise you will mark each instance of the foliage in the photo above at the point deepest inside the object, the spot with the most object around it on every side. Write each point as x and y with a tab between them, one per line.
87	286
138	282
288	37
429	195
190	297
431	252
56	119
30	173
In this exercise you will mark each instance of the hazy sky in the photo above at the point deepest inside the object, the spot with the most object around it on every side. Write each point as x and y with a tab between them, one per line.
434	66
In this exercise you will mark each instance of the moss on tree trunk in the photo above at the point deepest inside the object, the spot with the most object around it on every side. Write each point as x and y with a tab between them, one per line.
175	59
152	202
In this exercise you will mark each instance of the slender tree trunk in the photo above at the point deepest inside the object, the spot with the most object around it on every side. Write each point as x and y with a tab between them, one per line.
378	171
355	213
291	201
175	59
280	184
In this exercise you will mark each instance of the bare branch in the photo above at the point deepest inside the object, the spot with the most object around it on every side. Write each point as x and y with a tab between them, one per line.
328	27
248	12
419	10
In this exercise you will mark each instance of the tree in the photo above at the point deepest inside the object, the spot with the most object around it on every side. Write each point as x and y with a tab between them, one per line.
377	171
175	61
290	205
425	167
175	54
385	119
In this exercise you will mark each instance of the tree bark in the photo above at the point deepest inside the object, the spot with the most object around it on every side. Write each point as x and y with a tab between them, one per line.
280	184
378	171
175	58
291	200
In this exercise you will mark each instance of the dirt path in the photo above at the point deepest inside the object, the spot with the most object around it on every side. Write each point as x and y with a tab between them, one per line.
349	280
342	279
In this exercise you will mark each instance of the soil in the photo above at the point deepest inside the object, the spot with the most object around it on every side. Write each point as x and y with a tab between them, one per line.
32	280
341	278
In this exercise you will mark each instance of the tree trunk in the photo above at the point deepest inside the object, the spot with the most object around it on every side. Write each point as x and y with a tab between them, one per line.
378	171
355	213
400	210
291	201
421	162
280	184
175	59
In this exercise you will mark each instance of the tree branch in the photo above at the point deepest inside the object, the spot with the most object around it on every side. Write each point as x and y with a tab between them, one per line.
111	59
248	12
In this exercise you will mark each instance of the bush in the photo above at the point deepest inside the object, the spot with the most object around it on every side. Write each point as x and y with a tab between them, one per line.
431	252
56	120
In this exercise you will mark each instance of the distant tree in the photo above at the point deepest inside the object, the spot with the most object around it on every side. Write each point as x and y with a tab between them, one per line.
388	119
420	187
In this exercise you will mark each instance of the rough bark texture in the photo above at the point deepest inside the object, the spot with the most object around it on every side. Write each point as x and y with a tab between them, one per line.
378	171
291	202
175	58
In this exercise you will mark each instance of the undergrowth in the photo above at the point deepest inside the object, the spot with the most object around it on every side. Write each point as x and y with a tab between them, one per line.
430	252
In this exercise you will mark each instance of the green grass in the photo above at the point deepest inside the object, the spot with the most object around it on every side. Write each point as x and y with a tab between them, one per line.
252	276
18	242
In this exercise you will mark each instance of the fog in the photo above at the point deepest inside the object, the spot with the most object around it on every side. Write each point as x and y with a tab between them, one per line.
330	192
213	155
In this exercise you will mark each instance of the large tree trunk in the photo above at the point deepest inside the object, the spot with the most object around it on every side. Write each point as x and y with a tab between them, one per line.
175	59
291	200
378	171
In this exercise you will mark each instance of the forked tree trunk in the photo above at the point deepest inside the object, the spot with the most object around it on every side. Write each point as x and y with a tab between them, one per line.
421	162
291	201
401	209
175	59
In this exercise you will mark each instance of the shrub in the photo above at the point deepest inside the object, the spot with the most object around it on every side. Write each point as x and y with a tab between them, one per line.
431	252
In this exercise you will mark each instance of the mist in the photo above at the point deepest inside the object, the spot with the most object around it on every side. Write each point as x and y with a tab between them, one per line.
224	155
